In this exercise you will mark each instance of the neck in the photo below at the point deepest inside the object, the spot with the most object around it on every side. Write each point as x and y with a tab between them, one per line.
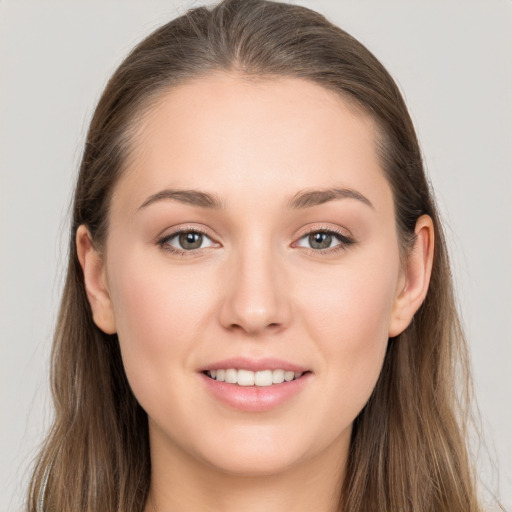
186	484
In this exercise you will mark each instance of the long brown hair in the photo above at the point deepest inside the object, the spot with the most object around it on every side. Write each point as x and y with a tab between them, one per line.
408	449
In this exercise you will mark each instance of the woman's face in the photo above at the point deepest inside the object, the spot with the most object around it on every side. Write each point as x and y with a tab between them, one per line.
253	230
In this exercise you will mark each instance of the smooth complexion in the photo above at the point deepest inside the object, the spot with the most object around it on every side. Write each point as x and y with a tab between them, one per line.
315	283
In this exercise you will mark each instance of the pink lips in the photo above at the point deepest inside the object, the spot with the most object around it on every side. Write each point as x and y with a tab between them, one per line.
267	363
254	398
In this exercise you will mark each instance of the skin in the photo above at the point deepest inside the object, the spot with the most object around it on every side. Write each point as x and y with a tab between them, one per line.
257	288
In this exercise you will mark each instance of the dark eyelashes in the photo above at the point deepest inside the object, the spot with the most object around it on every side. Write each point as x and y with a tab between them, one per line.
344	242
163	242
342	237
166	238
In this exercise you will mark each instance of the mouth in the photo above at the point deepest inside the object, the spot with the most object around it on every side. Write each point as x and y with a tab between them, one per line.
248	378
251	385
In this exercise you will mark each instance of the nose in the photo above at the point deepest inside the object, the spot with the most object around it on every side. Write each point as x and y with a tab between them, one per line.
256	301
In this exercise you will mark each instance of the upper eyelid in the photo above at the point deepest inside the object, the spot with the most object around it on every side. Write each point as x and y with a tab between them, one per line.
183	229
308	231
344	239
165	238
326	229
322	229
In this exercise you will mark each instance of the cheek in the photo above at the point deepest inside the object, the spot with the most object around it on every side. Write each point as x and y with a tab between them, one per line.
154	300
350	301
349	322
159	312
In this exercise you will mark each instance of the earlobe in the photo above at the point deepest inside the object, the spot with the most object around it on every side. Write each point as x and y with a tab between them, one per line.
95	281
417	271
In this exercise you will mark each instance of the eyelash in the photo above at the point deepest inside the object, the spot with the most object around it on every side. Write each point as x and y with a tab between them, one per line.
344	242
163	242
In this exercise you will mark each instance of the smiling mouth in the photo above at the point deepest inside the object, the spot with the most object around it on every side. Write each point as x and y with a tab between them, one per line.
263	378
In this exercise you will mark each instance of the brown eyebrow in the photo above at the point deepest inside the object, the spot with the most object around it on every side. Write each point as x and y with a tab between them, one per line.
309	198
192	197
302	199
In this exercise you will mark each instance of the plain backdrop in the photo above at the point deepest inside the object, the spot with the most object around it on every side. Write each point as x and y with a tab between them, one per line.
453	62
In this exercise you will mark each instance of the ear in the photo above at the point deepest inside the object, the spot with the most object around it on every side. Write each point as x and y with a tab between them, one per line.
95	279
415	278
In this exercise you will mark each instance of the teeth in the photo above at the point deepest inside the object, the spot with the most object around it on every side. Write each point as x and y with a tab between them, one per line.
262	378
231	376
278	376
245	377
288	376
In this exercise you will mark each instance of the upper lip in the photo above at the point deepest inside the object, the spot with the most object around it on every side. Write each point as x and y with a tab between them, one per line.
244	363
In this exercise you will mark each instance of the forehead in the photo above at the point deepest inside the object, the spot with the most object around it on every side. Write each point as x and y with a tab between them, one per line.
264	137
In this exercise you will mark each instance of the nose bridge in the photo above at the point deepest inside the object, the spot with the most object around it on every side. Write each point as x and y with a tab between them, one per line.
256	299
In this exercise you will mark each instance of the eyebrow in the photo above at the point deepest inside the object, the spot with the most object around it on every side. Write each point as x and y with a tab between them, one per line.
191	197
309	198
302	199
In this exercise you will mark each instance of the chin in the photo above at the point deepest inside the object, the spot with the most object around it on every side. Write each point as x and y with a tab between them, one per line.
260	451
254	463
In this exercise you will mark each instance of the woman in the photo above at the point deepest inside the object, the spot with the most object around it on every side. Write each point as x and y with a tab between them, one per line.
258	312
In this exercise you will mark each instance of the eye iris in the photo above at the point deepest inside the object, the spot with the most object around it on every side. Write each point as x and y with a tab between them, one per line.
320	240
190	240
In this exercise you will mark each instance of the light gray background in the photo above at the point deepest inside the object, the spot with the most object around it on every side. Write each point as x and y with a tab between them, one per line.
453	61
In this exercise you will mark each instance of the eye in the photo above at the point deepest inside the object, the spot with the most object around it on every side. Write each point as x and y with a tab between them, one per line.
325	240
189	240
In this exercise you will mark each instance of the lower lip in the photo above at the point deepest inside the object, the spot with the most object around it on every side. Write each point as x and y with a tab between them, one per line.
255	398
